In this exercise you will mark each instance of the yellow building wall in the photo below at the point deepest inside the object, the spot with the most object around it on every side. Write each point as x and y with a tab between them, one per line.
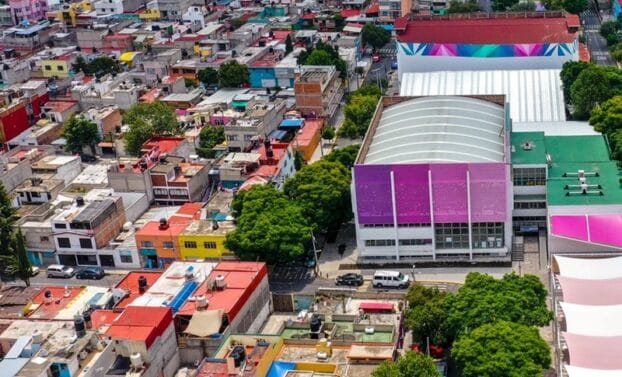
201	251
58	68
316	367
150	15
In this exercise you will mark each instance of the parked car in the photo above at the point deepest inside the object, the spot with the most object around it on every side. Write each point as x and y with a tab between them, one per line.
94	273
349	279
390	279
60	271
12	271
375	58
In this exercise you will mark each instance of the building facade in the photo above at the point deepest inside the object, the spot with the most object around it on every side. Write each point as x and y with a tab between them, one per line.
318	91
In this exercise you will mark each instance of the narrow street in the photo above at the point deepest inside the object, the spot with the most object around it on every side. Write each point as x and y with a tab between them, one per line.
595	42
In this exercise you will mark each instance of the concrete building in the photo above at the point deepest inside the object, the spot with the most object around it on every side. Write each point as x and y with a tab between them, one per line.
30	10
20	109
107	119
204	239
15	165
30	36
493	42
172	10
6	16
38	233
259	118
37	190
176	182
432	180
390	10
318	91
57	167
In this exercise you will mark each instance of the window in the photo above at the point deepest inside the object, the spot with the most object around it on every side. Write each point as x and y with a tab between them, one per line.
64	243
219	122
529	205
416	242
167	244
146	244
488	235
209	245
86	243
248	137
178	192
126	258
232	137
48	67
378	243
44	239
190	244
60	226
160	192
452	236
377	225
35	194
90	260
529	176
422	225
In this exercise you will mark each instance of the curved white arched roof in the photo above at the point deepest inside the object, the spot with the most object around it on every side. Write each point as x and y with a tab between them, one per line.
439	129
587	268
602	320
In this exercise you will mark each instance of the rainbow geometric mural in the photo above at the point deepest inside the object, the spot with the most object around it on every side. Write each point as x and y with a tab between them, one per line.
488	51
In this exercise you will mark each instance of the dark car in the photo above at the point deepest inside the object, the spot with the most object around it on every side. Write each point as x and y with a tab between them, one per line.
91	273
349	279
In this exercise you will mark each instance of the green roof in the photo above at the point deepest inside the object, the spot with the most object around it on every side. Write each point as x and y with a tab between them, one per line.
585	148
608	178
528	148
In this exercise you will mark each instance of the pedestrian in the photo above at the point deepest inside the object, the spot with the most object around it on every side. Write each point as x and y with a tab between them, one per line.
413	272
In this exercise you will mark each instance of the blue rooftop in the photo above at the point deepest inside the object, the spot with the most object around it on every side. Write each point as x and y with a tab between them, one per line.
291	123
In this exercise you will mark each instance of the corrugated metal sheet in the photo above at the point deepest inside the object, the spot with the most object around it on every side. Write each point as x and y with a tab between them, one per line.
533	95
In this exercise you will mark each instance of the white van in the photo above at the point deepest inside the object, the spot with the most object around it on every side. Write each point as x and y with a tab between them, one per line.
391	279
59	271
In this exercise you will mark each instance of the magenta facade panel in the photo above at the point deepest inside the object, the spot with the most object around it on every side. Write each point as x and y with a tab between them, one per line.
489	193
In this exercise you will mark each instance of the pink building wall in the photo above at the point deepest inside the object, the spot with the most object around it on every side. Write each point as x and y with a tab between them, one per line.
31	10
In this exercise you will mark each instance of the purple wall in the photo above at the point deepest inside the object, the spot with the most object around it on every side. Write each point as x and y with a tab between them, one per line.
449	188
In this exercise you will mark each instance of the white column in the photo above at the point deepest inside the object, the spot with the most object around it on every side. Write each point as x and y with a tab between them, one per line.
468	183
432	214
394	211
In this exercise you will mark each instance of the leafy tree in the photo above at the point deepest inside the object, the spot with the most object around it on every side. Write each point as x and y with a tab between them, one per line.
427	314
340	22
593	86
616	52
348	129
103	65
322	190
190	83
552	4
78	132
484	299
607	119
319	57
528	6
147	120
375	36
270	227
232	74
412	364
299	159
16	258
8	217
360	111
502	349
575	6
608	28
80	65
236	23
570	72
208	76
503	5
463	7
335	59
328	133
345	156
210	136
289	46
367	90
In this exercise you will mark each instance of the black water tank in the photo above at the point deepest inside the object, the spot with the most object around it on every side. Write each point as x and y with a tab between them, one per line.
87	319
47	294
142	284
80	201
315	323
269	153
78	324
239	354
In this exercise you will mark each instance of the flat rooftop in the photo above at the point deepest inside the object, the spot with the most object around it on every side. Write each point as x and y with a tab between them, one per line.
528	148
205	227
130	285
562	187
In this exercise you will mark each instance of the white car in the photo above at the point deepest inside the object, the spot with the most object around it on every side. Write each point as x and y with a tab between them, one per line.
390	279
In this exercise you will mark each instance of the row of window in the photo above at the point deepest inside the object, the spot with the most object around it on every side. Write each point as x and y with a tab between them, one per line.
456	235
58	68
187	244
422	225
65	243
82	226
529	205
171	192
406	242
529	176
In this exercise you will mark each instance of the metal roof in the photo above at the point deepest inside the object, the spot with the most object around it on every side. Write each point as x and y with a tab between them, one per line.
533	95
439	129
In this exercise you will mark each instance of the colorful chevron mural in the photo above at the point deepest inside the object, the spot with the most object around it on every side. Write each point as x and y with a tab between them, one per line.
488	51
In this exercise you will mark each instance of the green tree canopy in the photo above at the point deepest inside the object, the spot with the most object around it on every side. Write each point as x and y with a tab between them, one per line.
593	86
322	190
607	119
483	299
411	364
210	136
232	74
319	57
575	6
208	76
570	72
527	6
609	28
16	258
8	217
289	46
147	120
463	7
345	156
328	133
427	315
360	111
375	36
100	66
80	132
270	227
503	5
366	90
335	59
502	349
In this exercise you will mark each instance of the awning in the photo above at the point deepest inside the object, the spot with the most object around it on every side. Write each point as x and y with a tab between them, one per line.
292	123
375	306
204	323
586	372
603	320
597	352
584	268
127	57
582	291
277	134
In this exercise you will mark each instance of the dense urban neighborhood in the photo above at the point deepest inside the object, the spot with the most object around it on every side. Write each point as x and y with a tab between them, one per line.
310	188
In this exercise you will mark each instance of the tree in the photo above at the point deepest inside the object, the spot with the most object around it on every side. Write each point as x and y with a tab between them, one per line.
299	159
209	137
208	76
16	259
335	59
80	65
367	90
503	5
147	120
289	46
607	119
345	156
593	86
270	227
375	36
570	72
319	57
78	132
483	299
8	217
360	111
575	6
103	65
322	190
340	22
427	315
232	74
608	28
328	133
616	52
348	129
466	7
412	364
190	83
528	6
502	349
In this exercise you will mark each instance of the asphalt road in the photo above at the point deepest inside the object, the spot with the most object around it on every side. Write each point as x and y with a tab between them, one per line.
595	42
41	280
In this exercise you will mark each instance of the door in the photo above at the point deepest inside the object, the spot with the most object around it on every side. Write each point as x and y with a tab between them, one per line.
34	258
106	260
67	259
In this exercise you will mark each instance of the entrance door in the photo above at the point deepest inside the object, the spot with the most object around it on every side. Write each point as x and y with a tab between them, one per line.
34	258
106	260
67	259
